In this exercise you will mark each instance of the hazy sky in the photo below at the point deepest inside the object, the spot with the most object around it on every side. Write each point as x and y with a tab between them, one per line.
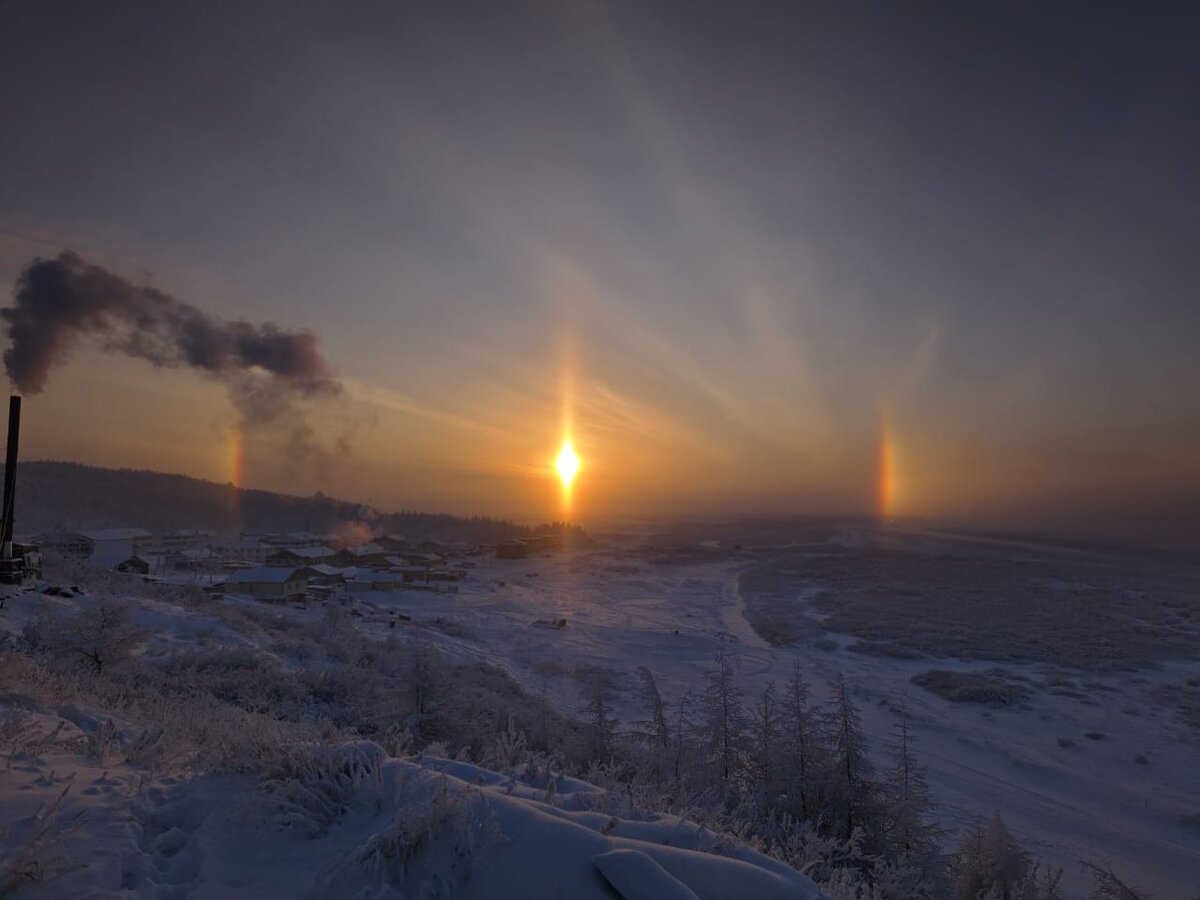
746	251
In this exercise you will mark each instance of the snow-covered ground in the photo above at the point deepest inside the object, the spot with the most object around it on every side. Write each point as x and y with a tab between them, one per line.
627	606
1089	765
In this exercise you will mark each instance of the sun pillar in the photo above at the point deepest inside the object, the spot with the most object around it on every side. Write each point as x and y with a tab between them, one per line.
886	487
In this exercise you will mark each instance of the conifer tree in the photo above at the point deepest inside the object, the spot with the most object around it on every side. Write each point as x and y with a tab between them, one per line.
801	739
852	769
908	804
724	719
763	769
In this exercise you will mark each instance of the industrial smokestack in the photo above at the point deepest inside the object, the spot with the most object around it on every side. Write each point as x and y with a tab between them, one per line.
10	475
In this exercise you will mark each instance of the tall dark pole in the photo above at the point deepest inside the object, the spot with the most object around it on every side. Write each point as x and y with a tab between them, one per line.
10	472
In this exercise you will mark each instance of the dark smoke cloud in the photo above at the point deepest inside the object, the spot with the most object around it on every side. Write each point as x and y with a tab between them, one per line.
60	300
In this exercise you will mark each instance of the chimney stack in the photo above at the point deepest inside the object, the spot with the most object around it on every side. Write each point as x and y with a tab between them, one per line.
10	476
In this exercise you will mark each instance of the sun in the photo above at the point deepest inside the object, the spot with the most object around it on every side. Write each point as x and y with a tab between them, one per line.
567	464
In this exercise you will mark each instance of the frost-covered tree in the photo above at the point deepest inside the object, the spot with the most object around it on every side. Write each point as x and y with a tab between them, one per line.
680	739
802	746
910	834
852	773
654	732
990	865
658	732
1107	886
600	723
764	770
724	719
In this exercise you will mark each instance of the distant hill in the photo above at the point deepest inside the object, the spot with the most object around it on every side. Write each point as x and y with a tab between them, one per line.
72	496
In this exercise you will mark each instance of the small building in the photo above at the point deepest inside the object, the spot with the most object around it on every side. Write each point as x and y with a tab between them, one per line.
365	555
189	558
113	545
186	538
392	542
412	575
273	584
65	543
300	556
103	547
135	565
324	575
379	581
544	542
428	560
516	549
293	539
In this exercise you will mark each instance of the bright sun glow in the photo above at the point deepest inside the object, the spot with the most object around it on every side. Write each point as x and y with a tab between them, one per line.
567	464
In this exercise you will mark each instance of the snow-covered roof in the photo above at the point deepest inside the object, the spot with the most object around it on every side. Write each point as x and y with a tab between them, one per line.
308	552
324	569
262	575
117	534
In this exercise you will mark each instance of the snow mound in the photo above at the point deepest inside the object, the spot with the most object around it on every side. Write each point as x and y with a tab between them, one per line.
635	876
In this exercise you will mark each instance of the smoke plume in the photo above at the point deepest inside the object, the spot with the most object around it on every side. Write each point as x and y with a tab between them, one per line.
59	300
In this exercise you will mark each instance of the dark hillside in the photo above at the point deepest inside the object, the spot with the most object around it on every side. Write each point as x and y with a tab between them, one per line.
74	496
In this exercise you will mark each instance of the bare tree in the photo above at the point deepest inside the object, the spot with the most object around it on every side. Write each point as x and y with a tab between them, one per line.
94	637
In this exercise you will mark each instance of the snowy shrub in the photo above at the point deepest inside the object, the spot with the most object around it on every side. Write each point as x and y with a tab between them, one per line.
311	786
506	749
23	735
848	884
24	676
238	675
992	688
425	851
102	744
235	741
91	638
33	852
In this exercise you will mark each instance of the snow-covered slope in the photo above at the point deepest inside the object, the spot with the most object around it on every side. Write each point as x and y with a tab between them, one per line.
337	820
167	758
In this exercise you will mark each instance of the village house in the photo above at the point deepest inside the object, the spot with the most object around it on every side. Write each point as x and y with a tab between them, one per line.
325	575
273	584
392	542
365	555
101	547
186	539
516	549
293	539
300	556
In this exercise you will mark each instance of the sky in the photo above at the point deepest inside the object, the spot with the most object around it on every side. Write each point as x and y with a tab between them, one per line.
933	260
